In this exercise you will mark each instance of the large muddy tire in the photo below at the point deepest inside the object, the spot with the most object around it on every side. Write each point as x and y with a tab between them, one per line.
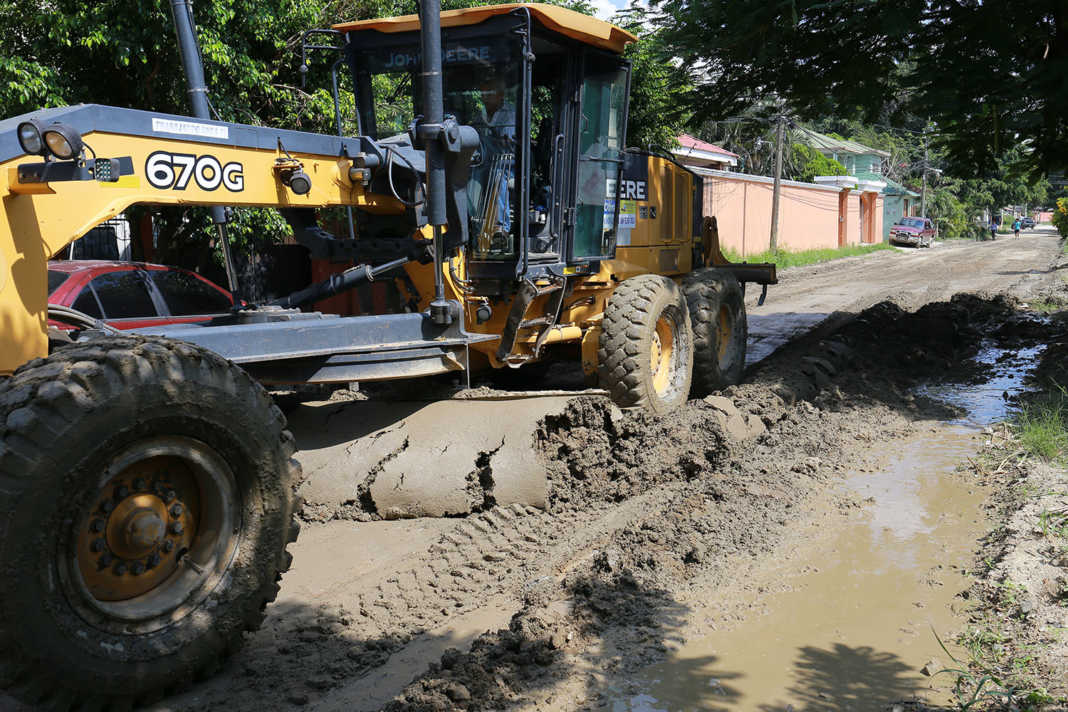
645	354
146	502
720	329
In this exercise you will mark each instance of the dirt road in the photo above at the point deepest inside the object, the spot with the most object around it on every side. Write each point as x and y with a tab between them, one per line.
646	520
806	296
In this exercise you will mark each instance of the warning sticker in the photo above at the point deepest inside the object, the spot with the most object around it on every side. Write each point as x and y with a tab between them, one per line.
628	213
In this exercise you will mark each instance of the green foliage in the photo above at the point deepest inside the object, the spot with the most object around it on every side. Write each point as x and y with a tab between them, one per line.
659	89
1042	425
784	258
1060	216
988	74
805	163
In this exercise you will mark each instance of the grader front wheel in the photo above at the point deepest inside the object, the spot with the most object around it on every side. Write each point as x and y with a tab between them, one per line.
146	501
645	355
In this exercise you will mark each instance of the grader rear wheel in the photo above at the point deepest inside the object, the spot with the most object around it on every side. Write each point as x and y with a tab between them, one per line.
720	329
146	501
645	355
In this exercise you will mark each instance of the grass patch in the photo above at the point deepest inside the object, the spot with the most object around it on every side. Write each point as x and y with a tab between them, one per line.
792	258
1047	305
1041	425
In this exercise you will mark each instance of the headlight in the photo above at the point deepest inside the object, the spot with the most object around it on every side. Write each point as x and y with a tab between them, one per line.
30	140
63	141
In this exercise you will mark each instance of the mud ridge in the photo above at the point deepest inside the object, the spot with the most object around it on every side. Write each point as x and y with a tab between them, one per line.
710	493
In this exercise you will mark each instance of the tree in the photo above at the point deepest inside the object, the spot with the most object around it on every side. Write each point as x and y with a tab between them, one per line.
659	88
989	74
805	163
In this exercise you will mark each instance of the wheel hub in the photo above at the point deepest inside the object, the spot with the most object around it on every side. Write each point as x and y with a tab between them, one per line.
662	352
141	524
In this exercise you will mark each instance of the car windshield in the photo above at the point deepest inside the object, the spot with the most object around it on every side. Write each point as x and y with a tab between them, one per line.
481	78
911	222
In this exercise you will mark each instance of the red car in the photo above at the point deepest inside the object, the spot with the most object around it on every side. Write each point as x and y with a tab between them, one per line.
129	295
919	232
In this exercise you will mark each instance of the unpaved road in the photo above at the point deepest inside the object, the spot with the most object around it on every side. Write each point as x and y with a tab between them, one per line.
806	296
643	516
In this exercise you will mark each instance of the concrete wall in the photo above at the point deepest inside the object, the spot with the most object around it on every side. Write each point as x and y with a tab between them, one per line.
809	214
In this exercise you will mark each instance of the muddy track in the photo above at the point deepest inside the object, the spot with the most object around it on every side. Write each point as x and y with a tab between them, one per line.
639	508
641	513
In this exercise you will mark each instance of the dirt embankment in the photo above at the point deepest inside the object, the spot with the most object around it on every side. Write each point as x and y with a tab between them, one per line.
1018	605
712	485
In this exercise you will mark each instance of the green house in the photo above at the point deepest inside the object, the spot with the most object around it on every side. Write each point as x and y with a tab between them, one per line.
866	164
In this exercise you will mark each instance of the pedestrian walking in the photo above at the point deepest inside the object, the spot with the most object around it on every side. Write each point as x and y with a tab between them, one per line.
1016	227
993	230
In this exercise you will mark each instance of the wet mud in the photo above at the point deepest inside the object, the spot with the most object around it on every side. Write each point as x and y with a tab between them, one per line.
714	499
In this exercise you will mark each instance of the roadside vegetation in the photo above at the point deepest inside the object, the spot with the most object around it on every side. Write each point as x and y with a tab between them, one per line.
1016	604
792	258
1041	427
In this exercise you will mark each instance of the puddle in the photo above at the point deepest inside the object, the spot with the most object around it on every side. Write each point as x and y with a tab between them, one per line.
846	623
854	630
990	401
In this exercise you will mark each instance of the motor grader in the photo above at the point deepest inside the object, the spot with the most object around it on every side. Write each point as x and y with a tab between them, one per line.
147	486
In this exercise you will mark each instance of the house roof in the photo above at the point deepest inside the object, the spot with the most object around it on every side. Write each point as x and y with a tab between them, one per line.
695	144
895	188
829	144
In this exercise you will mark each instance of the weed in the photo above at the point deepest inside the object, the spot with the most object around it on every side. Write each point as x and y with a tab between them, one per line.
789	258
978	682
1041	424
1047	305
1054	522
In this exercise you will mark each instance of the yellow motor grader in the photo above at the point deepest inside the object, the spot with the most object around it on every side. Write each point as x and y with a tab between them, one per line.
146	479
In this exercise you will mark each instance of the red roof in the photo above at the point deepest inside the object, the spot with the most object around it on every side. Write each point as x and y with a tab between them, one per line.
687	141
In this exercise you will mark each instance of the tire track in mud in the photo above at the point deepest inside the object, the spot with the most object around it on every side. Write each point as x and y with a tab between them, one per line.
639	508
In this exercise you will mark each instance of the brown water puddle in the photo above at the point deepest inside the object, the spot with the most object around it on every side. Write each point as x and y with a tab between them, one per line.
847	623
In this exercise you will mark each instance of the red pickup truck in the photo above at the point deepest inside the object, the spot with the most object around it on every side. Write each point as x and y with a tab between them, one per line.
918	232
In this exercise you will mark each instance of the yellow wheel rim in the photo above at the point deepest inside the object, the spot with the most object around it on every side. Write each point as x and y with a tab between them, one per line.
141	523
662	353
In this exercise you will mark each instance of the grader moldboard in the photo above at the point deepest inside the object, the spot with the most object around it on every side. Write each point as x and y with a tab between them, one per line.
147	480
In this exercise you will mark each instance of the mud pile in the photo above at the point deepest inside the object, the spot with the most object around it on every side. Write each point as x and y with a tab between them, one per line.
692	492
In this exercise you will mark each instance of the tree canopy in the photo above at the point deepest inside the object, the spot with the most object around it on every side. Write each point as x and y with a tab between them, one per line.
989	73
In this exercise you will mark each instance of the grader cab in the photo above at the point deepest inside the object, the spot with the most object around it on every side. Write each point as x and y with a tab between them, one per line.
147	488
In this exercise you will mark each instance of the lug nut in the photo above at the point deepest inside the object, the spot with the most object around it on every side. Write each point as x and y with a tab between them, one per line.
97	525
153	561
176	511
169	497
105	561
137	569
107	505
177	528
98	545
139	484
168	546
120	569
122	491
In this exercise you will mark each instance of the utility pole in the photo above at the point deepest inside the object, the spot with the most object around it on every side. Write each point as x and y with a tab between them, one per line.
923	194
779	132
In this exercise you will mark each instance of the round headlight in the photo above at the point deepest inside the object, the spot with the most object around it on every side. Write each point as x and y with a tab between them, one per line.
63	141
30	140
300	183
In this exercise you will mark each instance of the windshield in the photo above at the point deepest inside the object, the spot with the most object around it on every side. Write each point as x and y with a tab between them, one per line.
911	222
481	78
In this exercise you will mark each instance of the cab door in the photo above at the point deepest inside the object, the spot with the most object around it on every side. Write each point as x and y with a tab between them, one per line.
599	129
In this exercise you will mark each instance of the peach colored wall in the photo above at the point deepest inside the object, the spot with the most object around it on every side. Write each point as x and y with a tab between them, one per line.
808	216
853	219
879	218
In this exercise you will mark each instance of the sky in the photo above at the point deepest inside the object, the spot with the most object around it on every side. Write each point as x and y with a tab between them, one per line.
607	8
